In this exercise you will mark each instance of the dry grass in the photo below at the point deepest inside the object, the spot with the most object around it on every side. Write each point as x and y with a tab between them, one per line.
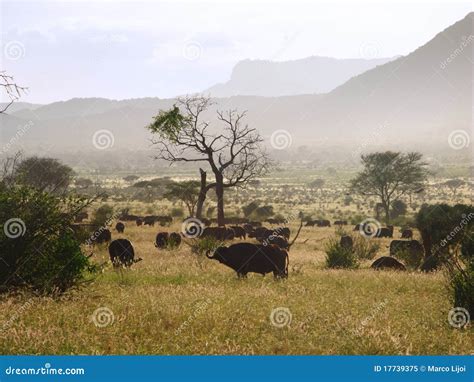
174	303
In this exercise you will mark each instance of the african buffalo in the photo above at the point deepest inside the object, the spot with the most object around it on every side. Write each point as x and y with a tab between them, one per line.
161	240
139	222
385	232
121	253
120	227
340	222
387	262
239	232
149	220
257	258
102	236
407	234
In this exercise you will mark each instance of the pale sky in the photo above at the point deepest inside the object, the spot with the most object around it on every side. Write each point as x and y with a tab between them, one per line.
131	49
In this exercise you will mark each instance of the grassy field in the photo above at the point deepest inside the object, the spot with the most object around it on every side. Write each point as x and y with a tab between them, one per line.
173	302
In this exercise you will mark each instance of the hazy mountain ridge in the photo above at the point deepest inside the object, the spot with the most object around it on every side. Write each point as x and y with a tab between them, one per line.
411	100
311	75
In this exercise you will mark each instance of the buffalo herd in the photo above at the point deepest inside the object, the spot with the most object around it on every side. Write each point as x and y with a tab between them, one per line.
268	255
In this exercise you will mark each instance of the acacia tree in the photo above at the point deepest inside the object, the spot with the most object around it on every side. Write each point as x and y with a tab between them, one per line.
186	192
389	175
233	151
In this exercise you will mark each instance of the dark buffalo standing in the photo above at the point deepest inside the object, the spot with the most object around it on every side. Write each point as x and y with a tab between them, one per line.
161	240
239	232
310	223
139	221
385	232
284	231
340	222
121	253
149	220
387	262
407	234
279	241
120	227
323	223
257	258
102	236
413	247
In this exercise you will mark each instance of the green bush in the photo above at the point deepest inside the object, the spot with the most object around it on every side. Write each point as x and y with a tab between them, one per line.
363	248
461	284
177	212
340	257
412	259
103	215
38	248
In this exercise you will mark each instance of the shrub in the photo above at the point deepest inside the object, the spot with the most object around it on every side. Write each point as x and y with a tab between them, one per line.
38	248
103	215
339	257
363	248
411	259
442	226
177	212
460	275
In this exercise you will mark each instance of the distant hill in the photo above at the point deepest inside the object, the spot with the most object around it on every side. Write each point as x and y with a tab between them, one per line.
416	100
312	75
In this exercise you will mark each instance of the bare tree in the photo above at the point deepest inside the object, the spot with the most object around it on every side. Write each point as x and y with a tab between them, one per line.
12	90
234	153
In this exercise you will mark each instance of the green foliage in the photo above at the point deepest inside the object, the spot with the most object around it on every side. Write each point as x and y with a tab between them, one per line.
168	123
412	259
186	192
44	174
460	276
177	212
339	257
249	208
442	226
389	175
204	245
363	248
38	248
103	215
399	208
264	212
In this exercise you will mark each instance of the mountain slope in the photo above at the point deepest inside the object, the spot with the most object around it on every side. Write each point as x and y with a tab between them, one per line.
312	75
415	100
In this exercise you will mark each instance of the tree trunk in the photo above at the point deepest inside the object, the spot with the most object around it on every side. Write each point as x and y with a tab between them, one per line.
386	207
202	194
220	200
